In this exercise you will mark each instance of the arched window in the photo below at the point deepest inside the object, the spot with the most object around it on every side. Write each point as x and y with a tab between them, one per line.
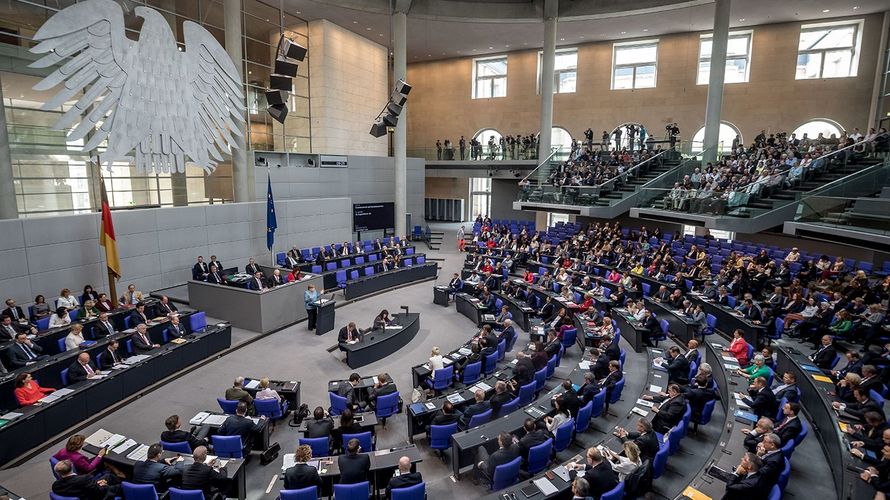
625	137
487	133
725	136
818	126
561	138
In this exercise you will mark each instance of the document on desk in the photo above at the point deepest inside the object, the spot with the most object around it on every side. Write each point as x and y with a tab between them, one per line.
656	388
731	367
464	351
215	419
455	398
393	327
98	438
126	445
545	486
482	385
11	416
639	411
139	454
253	384
563	473
584	365
643	402
132	360
49	398
199	418
63	392
287	461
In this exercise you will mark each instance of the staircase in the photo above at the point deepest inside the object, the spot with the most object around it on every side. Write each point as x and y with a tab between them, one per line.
633	185
435	239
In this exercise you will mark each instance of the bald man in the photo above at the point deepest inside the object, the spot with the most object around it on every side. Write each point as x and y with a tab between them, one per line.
82	369
403	478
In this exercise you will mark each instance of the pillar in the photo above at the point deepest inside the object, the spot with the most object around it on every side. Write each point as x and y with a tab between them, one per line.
400	141
548	62
242	173
715	83
8	207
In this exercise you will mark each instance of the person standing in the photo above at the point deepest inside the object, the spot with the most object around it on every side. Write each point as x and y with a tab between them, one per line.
461	239
604	146
310	297
438	149
462	143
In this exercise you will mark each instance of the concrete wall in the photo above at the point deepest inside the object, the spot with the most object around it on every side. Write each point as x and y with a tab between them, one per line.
442	108
503	194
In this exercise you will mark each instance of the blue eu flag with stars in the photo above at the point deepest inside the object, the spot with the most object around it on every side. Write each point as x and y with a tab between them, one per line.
271	221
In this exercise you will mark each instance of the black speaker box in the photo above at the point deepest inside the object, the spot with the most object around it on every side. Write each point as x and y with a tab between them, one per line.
278	82
274	97
285	68
278	112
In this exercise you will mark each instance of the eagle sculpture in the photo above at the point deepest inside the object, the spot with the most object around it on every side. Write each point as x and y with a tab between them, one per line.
145	96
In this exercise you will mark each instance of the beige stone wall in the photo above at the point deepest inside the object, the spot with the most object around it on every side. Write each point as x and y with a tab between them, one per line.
448	188
441	106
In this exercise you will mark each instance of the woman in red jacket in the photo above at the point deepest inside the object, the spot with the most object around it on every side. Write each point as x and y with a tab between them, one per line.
738	348
28	391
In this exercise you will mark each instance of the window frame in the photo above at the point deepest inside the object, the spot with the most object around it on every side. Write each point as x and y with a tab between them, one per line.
557	72
710	36
855	49
482	194
476	77
637	43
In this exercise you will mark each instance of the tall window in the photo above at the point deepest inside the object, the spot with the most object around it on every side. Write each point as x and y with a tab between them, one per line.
553	218
560	138
828	50
634	64
813	128
725	136
565	71
480	196
738	58
490	77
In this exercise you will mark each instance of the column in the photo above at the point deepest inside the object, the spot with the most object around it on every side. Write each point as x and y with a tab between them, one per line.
400	142
715	83
8	207
548	61
242	173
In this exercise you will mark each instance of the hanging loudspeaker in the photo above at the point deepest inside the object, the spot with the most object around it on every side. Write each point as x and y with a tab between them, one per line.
291	49
398	98
274	97
278	112
283	67
278	82
403	88
390	120
393	108
378	129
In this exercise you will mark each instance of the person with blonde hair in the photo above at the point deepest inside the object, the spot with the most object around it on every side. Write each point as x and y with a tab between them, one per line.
301	475
74	337
265	392
627	464
437	362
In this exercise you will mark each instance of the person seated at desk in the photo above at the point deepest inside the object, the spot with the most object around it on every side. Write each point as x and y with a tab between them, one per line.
40	309
523	371
175	434
82	465
436	361
132	296
456	285
84	487
75	337
207	477
348	334
650	325
110	356
870	435
627	462
354	466
662	295
485	464
404	478
480	405
446	416
162	473
598	474
698	394
24	352
215	276
320	426
237	393
753	437
28	391
508	332
644	437
383	387
88	310
824	357
389	263
347	390
692	354
293	258
382	320
773	461
677	366
166	308
738	348
257	283
142	341
756	369
568	398
534	436
487	301
502	316
348	425
59	318
746	482
676	299
864	404
764	402
614	376
138	315
857	447
251	267
589	389
267	392
176	329
82	369
553	343
790	425
240	425
539	355
200	270
500	397
295	274
13	311
670	412
301	474
215	262
104	304
276	279
66	300
879	476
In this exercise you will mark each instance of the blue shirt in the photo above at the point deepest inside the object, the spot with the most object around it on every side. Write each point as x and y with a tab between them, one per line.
309	297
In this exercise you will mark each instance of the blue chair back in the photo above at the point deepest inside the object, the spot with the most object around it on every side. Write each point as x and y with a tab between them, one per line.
877	398
491	363
416	492
509	407
675	435
340	278
598	404
569	335
540	378
472	373
52	466
616	493
693	368
622	357
551	365
440	436
527	393
321	447
63	375
61	344
357	491
480	418
616	391
775	493
43	324
804	430
228	446
706	412
837	359
308	493
228	406
442	378
270	408
583	420
502	349
197	322
387	405
750	352
316	269
338	403
133	491
178	494
364	439
539	456
563	436
180	447
506	474
660	461
783	477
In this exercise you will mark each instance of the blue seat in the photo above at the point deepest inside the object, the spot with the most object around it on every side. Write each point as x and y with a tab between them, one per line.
693	368
353	275
662	334
63	375
472	373
804	430
308	493
387	405
491	363
270	408
53	496
527	393
338	403
674	437
502	349
837	359
616	493
133	491
178	494
479	419
551	366
876	397
316	269
180	447
730	301
442	378
421	259
228	446
506	474
509	407
616	392
440	436
598	404
369	271
563	436
43	324
357	491
52	466
197	322
706	412
280	258
61	344
660	461
569	336
583	420
623	356
228	406
341	278
359	260
345	263
365	440
416	492
783	477
330	266
321	447
540	378
775	493
539	456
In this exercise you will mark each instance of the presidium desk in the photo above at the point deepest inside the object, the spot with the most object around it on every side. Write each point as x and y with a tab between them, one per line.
379	343
263	312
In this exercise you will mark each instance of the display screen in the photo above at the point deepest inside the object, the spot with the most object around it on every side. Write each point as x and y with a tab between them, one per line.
373	216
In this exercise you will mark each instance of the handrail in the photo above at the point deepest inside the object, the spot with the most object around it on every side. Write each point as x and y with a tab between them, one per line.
631	169
553	151
844	179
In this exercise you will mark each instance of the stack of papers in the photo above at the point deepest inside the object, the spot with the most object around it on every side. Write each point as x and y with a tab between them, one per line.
215	419
102	438
199	418
126	445
643	402
132	360
584	365
656	388
545	486
253	384
139	454
639	411
455	398
11	416
63	392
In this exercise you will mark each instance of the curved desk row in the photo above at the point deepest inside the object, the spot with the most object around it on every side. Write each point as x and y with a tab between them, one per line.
370	284
380	343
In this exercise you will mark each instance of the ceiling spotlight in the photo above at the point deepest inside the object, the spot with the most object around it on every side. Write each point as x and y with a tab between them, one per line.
354	22
491	48
623	32
369	29
508	45
855	7
645	29
742	20
562	39
826	11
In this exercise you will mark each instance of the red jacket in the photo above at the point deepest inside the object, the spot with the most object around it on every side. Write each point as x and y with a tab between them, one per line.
31	393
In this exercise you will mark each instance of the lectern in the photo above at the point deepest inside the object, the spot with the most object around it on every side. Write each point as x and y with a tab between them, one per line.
325	321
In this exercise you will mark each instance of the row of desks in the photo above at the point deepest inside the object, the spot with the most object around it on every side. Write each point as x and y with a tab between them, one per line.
367	285
380	343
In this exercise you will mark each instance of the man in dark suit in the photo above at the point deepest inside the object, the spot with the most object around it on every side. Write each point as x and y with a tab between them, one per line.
83	487
302	475
699	394
251	267
354	466
509	332
320	425
200	270
405	477
677	366
523	371
771	458
670	412
110	356
589	389
790	426
347	390
165	307
746	483
569	398
176	329
215	262
174	433
82	369
485	464
612	379
500	398
787	388
870	379
764	401
613	349
24	352
662	295
456	285
142	341
215	276
480	406
600	366
240	425
534	436
864	404
138	315
824	357
447	415
103	327
598	473
276	279
257	283
13	311
489	302
644	437
9	328
153	470
205	477
650	323
383	387
348	334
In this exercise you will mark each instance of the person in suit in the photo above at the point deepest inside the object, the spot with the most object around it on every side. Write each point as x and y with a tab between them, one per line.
131	297
142	342
644	437
176	329
13	311
824	356
276	279
569	398
746	483
257	283
864	404
153	470
534	436
310	297
165	307
347	390
138	315
489	302
580	489
404	478
670	412
500	398
790	426
251	267
207	477
9	328
870	379
615	375
456	285
240	425
677	366
787	388
508	332
301	474
348	425
589	389
383	387
215	276
598	473
110	356
600	366
200	270
753	437
650	324
103	327
764	401
662	295
175	434
320	426
485	464
348	334
771	458
28	391
24	352
215	262
82	369
237	393
446	416
84	487
698	394
523	371
613	349
479	406
354	466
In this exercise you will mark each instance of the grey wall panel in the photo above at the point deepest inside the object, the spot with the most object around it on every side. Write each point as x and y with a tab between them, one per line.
51	283
13	263
18	288
136	244
64	255
138	221
48	230
175	239
13	234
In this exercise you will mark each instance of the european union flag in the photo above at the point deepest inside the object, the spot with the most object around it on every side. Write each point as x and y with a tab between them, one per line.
271	221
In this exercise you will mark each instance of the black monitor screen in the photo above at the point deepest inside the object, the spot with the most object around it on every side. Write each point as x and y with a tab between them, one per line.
373	216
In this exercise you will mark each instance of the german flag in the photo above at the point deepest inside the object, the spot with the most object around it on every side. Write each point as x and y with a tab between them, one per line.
106	235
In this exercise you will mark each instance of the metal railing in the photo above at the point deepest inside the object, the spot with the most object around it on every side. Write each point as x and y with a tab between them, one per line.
546	161
481	153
